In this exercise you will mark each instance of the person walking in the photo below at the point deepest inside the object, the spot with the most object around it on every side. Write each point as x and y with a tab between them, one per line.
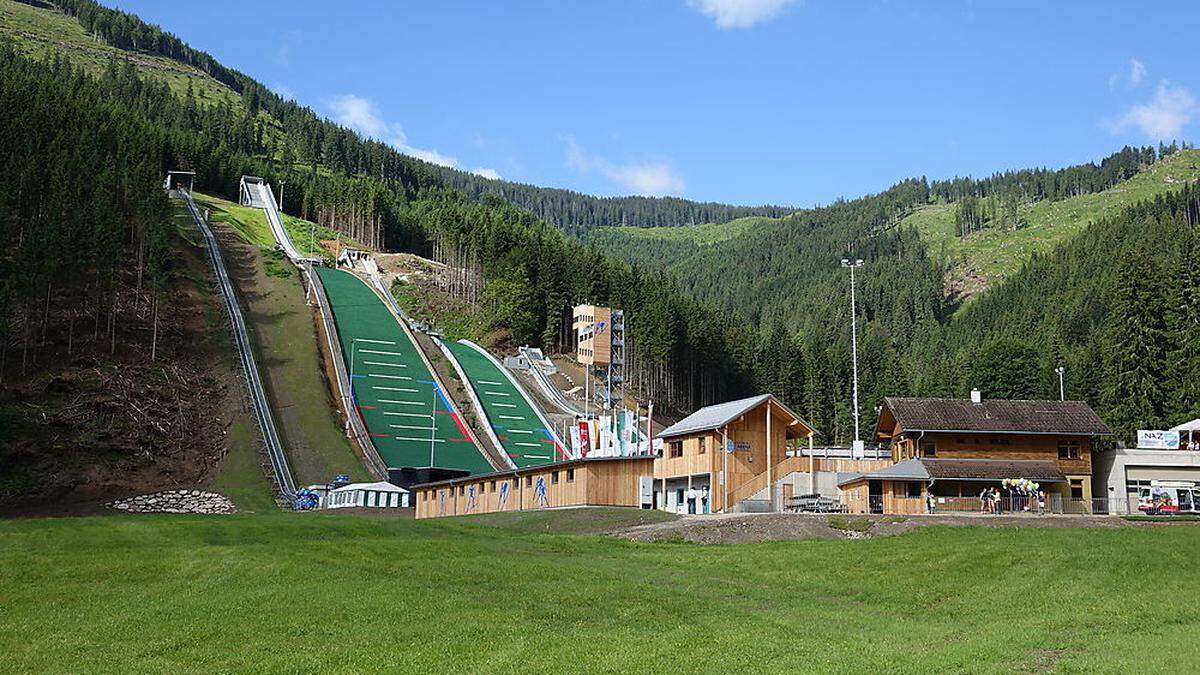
930	503
691	500
985	501
997	505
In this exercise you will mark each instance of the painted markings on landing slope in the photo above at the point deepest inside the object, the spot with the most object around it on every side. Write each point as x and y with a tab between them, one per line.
388	377
375	342
388	365
380	352
510	417
494	384
497	393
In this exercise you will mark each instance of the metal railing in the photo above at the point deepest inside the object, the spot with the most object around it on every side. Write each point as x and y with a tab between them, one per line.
258	395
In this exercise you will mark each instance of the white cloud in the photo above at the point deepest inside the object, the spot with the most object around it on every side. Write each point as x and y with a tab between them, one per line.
651	179
362	115
486	172
1137	72
1163	117
284	91
740	13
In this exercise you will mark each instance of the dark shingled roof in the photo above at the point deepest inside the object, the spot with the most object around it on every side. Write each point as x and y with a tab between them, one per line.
993	469
996	416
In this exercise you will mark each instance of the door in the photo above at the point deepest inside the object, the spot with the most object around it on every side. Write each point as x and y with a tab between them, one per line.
788	489
875	496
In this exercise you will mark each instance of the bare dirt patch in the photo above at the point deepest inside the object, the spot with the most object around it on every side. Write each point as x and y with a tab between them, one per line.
760	527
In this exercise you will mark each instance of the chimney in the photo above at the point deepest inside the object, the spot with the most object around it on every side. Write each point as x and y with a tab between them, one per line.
976	397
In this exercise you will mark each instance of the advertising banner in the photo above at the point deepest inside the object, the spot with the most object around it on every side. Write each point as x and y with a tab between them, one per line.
583	433
1158	440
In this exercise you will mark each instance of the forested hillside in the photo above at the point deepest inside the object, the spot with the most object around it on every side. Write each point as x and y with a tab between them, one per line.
763	310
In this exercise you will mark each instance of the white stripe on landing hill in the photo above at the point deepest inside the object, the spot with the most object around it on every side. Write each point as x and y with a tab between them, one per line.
400	414
497	393
421	440
519	431
375	342
505	405
388	377
380	352
384	400
390	389
494	384
536	456
389	365
510	417
406	426
529	445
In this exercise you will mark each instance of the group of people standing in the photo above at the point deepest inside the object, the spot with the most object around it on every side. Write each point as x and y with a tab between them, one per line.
991	501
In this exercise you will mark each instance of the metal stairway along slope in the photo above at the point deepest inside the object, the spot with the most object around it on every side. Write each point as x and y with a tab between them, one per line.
515	424
254	384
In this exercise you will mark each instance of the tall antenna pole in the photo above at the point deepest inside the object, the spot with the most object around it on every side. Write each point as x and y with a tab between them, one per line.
854	341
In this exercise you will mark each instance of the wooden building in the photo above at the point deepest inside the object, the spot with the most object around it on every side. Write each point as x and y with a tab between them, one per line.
722	454
600	481
593	334
954	449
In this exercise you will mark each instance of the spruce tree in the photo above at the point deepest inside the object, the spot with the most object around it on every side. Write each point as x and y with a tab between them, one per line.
1135	347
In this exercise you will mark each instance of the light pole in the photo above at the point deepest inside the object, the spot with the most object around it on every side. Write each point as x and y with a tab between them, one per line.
1062	390
281	184
853	265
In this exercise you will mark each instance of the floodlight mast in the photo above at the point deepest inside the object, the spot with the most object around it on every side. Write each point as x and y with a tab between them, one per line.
853	265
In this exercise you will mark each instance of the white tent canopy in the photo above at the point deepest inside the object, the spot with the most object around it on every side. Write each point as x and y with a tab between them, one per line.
1194	425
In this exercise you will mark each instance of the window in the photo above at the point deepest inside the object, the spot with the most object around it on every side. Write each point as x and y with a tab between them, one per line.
914	489
676	448
493	486
1068	449
570	475
928	449
1076	490
462	490
1001	441
528	481
703	445
554	478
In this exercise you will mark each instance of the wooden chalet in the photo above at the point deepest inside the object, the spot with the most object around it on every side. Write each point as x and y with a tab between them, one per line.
953	449
722	454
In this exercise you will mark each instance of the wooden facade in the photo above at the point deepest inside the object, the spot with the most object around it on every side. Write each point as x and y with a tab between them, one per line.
583	482
759	436
1058	433
593	331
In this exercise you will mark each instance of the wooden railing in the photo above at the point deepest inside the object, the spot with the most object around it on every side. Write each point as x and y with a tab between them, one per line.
802	465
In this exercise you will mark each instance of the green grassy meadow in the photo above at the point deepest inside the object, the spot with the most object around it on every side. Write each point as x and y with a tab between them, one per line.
42	32
283	592
701	234
993	254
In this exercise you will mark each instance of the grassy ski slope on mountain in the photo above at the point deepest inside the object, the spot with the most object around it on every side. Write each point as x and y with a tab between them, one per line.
983	258
976	261
43	31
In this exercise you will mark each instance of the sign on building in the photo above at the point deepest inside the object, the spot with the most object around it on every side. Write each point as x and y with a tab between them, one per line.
1158	440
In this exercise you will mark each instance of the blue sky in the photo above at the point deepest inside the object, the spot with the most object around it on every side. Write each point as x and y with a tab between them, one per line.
791	102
